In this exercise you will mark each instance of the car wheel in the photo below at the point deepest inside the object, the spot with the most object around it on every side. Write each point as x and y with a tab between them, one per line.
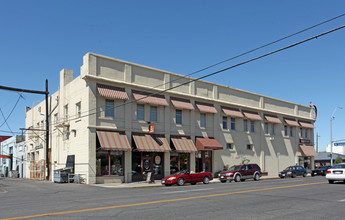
206	180
237	178
304	174
242	180
330	181
223	181
293	175
193	183
256	177
312	174
180	181
282	177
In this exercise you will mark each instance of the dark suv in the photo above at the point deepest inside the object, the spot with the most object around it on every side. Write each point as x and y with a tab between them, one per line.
241	173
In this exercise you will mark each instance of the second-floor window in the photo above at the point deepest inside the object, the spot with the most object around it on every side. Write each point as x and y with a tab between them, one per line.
291	131
153	113
266	128
272	129
109	108
245	125
203	120
252	126
178	117
233	124
78	109
140	112
66	112
225	123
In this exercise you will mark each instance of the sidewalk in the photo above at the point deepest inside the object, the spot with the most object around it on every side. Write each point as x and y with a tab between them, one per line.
157	183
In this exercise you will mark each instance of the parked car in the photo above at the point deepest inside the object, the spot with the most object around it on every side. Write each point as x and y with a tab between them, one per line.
184	176
320	171
336	173
293	171
241	173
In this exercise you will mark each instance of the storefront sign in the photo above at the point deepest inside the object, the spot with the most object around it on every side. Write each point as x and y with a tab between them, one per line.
157	160
151	127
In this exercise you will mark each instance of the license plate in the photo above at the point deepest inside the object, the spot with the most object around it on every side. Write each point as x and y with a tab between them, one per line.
283	174
163	181
315	173
337	172
222	177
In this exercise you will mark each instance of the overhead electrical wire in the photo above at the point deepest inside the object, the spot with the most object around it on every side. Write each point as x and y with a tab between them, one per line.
222	70
242	54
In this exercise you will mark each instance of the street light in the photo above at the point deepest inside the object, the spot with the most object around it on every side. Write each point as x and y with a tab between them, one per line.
331	132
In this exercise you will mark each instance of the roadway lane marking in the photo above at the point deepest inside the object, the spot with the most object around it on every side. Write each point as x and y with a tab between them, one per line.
155	202
343	200
183	191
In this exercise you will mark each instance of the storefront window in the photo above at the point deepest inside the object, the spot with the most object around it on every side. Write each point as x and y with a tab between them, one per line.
179	161
109	163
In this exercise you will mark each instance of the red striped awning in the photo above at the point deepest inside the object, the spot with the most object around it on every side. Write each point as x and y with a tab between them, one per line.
143	98
206	108
232	113
182	105
273	119
113	140
184	145
252	116
151	143
291	122
306	125
112	92
207	143
308	151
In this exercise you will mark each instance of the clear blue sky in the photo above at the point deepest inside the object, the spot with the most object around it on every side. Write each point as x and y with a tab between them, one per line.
39	38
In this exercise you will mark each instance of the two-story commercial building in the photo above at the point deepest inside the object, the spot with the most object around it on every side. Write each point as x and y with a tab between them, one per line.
121	120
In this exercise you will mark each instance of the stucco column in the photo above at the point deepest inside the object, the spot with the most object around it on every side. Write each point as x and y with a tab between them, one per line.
128	167
166	163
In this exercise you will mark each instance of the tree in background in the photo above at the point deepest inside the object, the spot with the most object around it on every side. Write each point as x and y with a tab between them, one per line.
338	159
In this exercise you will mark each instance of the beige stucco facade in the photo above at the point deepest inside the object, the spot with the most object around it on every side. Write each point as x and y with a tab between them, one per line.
73	133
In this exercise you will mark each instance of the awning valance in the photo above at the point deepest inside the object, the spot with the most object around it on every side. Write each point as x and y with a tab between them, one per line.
151	143
273	119
207	144
308	151
112	92
113	140
183	144
182	104
232	113
306	125
150	99
206	108
291	122
252	116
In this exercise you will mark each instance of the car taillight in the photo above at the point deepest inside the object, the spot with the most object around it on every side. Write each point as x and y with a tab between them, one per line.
328	171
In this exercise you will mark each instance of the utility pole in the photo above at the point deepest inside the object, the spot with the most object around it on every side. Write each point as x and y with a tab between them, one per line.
317	142
46	93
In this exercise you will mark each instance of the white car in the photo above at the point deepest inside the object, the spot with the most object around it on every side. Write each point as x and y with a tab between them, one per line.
336	173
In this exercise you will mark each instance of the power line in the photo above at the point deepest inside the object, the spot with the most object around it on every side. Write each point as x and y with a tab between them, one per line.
225	69
245	53
10	112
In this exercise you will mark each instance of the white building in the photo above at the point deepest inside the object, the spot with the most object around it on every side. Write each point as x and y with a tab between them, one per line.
339	149
108	118
10	166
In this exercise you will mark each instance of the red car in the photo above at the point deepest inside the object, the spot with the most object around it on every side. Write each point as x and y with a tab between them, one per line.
184	176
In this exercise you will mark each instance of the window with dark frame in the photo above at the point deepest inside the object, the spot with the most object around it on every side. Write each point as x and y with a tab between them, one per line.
225	123
233	124
249	147
140	112
153	113
229	146
252	126
203	120
109	108
178	117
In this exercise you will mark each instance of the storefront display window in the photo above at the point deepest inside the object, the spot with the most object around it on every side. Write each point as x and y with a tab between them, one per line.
109	163
178	161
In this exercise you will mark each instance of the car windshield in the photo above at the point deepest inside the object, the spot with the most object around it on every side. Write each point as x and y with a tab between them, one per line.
337	166
289	168
180	172
234	168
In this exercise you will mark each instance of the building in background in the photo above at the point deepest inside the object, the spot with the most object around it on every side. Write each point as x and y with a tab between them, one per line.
324	158
122	120
10	164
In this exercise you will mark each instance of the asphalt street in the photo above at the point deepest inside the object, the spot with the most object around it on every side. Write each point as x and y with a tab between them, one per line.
299	198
